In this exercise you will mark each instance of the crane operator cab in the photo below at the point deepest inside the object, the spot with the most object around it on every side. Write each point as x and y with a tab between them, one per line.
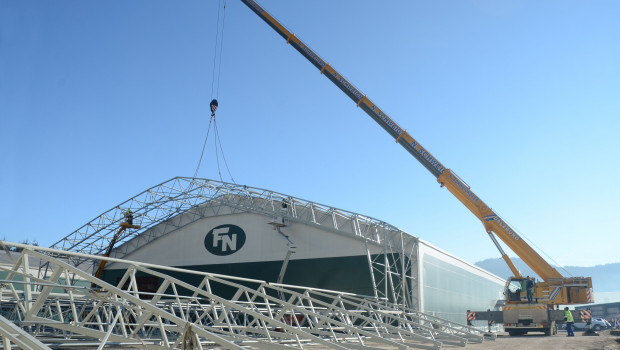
516	289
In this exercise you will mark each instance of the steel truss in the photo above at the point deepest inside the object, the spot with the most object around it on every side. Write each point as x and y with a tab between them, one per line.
180	201
65	306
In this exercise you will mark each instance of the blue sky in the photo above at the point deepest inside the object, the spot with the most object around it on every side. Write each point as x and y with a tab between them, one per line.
100	100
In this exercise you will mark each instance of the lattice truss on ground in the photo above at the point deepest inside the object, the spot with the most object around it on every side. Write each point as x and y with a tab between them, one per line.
67	307
180	201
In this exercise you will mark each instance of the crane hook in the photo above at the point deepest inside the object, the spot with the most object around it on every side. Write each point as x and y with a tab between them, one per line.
213	107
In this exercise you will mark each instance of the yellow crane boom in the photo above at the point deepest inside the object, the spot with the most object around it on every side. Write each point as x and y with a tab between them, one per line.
571	290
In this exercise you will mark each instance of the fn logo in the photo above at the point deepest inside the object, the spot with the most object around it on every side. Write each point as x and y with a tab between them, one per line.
224	240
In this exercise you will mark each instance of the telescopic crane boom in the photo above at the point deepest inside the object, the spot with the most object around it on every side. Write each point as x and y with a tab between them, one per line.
572	290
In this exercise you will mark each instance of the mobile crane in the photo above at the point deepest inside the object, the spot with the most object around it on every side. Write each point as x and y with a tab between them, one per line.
553	290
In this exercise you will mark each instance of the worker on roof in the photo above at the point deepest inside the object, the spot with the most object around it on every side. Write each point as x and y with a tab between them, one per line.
129	216
284	209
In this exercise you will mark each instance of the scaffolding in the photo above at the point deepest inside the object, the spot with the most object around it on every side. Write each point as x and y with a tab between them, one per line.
48	302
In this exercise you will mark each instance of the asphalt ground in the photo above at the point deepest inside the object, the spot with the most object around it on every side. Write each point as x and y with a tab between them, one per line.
604	341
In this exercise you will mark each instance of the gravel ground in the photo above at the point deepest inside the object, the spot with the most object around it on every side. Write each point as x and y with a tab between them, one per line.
604	341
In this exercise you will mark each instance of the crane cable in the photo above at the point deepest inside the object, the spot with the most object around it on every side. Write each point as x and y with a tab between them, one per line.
219	39
218	140
204	146
219	68
534	245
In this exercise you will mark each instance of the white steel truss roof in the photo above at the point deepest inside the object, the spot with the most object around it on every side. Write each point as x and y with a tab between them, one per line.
157	210
180	194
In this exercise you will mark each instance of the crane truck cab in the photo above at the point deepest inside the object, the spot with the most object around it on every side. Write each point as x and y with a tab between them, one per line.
514	288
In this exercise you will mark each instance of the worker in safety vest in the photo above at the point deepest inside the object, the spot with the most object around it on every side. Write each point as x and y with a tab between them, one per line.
568	317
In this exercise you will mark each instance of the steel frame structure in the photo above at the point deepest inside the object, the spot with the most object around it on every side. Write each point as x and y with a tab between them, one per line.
64	306
179	201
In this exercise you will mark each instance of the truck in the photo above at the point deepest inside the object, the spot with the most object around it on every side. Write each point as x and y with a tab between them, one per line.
518	315
519	319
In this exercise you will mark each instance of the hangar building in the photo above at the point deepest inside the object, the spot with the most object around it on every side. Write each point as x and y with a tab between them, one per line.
237	230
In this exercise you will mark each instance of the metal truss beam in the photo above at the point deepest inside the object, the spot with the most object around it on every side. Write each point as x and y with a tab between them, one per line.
11	333
65	304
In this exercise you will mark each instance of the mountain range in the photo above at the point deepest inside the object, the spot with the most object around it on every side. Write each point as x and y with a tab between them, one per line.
605	278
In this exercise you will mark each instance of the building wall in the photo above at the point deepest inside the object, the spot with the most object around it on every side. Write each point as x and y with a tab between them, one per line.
450	286
322	259
446	285
190	244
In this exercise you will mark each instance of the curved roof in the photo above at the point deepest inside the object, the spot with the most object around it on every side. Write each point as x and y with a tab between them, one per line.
182	195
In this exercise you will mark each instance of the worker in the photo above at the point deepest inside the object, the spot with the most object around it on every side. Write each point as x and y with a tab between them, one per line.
129	216
568	317
284	209
529	284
